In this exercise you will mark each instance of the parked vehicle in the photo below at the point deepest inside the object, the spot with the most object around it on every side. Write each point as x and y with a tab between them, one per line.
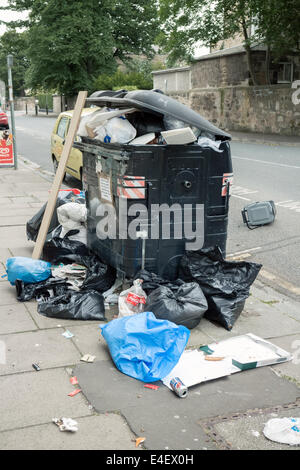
3	120
74	164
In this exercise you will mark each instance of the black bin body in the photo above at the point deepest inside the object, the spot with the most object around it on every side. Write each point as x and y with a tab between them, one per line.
172	174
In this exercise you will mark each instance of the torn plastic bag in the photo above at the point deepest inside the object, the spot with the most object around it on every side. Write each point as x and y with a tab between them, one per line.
132	300
152	281
99	276
184	305
116	130
49	288
143	347
58	247
27	270
71	216
87	305
33	225
225	284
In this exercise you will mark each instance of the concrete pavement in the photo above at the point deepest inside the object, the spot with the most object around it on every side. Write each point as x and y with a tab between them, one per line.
30	399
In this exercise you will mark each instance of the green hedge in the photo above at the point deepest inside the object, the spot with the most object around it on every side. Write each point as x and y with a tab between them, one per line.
118	80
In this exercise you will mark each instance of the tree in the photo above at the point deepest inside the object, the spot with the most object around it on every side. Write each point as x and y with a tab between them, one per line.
277	24
207	22
71	43
12	42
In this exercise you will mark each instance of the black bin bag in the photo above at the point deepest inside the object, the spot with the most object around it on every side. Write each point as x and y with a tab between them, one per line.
88	305
58	247
33	225
226	284
152	281
184	305
51	286
99	276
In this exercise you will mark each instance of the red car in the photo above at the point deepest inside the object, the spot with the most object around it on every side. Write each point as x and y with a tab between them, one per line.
3	120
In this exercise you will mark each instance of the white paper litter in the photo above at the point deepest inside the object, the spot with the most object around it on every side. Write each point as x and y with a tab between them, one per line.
192	369
213	144
66	424
283	430
250	349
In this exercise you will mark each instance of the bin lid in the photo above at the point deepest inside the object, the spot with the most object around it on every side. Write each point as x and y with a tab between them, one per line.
158	103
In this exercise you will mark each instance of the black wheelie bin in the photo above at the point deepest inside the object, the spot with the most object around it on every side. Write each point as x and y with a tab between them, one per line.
149	175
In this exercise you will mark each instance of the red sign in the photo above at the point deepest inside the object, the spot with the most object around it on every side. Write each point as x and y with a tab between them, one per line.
6	149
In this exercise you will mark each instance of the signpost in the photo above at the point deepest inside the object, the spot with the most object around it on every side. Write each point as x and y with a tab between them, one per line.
12	110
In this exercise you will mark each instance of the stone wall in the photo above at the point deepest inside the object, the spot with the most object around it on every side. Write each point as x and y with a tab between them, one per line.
230	69
172	80
266	109
20	104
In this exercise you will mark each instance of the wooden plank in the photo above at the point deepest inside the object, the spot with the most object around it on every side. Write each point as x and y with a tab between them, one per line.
59	175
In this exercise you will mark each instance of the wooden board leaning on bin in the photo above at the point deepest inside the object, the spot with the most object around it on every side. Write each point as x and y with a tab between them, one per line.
59	175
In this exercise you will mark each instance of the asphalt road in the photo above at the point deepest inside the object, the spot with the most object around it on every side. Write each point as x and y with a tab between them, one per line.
261	172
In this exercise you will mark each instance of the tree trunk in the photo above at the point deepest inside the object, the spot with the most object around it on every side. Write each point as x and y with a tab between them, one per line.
268	65
248	53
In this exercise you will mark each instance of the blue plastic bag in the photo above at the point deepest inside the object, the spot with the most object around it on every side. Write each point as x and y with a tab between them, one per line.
27	270
144	347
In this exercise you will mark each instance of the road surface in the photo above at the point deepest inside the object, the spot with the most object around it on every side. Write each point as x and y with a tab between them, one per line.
261	172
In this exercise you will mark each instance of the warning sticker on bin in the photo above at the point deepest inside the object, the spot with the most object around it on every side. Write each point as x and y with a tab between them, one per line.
132	187
227	182
105	188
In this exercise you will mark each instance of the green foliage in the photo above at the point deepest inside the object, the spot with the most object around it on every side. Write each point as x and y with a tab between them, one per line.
188	23
277	24
71	43
137	76
124	80
12	42
45	99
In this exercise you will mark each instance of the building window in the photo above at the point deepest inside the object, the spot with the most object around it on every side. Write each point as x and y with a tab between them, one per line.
285	72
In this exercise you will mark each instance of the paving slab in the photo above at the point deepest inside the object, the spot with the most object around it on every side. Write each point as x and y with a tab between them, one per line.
15	318
12	211
13	220
259	319
37	397
48	348
246	432
24	249
7	294
168	421
12	236
2	272
23	199
4	254
89	340
99	432
290	370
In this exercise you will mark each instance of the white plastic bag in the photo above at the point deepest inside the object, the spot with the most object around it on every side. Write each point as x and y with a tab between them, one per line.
207	142
132	300
116	130
72	216
283	430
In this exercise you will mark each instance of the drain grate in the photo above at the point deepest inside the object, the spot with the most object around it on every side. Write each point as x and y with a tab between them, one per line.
209	426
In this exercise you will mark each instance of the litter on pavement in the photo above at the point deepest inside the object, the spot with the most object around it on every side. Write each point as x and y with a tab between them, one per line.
66	424
258	214
248	352
74	380
88	358
67	334
283	430
75	392
132	300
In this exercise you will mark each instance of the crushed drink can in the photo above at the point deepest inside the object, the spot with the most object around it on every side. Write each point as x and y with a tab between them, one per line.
178	387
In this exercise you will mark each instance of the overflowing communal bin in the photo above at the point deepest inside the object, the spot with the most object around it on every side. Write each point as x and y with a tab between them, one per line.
169	185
